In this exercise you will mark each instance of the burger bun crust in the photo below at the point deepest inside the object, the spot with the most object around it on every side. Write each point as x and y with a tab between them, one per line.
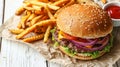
84	21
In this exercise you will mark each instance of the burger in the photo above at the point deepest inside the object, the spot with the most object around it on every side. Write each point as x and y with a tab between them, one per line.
83	31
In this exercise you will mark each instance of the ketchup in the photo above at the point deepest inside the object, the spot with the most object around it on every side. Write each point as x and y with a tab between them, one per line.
114	11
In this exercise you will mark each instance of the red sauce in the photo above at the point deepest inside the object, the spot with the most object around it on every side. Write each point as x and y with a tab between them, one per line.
114	11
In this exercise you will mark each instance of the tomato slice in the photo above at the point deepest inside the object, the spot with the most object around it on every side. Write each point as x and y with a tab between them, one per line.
73	38
69	36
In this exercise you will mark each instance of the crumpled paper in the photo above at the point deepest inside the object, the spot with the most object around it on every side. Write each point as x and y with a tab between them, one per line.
56	56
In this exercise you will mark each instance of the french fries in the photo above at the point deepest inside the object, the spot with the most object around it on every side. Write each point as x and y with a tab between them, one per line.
49	13
44	4
38	16
36	19
16	31
60	2
24	19
47	33
30	29
32	8
34	38
20	10
31	17
19	26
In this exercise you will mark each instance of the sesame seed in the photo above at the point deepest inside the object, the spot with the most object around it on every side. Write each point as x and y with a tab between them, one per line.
97	23
88	29
105	25
85	27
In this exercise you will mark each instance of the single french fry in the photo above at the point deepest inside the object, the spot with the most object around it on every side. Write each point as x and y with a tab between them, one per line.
20	10
32	8
38	12
33	38
43	1
44	17
47	33
70	2
24	19
37	7
16	31
46	22
37	3
36	19
31	28
49	13
19	26
53	7
104	1
28	8
31	17
27	4
60	2
44	4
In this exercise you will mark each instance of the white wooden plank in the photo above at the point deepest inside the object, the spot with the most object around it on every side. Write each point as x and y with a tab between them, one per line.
10	7
1	9
21	55
15	54
54	65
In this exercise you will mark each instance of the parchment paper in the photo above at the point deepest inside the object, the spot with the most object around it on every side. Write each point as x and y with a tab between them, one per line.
56	56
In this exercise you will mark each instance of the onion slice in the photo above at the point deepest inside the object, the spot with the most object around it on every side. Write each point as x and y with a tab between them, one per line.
103	42
91	43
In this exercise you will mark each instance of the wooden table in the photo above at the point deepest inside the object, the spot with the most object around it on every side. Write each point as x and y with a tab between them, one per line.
20	55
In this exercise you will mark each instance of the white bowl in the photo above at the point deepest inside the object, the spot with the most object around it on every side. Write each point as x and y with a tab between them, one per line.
116	22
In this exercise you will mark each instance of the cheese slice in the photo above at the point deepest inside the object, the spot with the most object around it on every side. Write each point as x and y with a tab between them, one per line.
60	36
89	46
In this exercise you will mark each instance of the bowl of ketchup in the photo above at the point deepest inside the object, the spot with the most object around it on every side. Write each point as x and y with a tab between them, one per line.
113	10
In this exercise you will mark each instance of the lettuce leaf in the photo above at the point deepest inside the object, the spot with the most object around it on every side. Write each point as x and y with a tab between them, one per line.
110	44
69	51
56	44
94	54
52	32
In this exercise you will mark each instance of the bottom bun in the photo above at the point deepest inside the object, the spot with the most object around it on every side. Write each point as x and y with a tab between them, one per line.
80	55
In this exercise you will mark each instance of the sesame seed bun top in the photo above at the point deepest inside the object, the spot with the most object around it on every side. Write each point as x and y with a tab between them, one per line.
84	21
